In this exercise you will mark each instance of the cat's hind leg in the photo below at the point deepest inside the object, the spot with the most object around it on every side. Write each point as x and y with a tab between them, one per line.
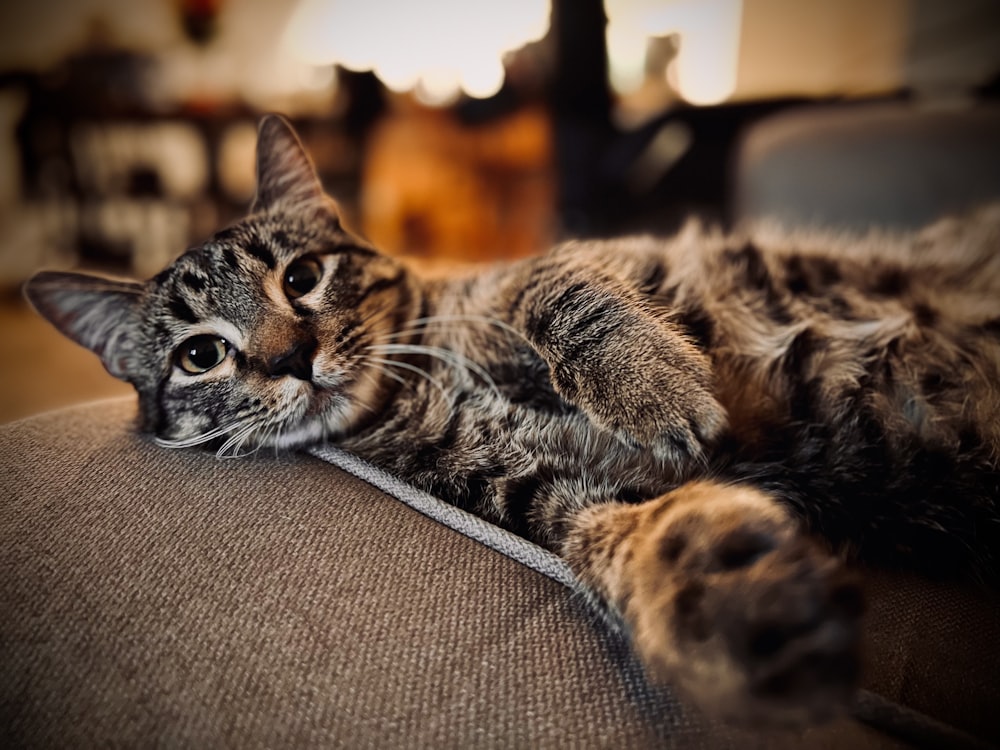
723	596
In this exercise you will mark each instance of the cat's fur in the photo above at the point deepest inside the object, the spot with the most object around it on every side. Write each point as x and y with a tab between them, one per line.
668	415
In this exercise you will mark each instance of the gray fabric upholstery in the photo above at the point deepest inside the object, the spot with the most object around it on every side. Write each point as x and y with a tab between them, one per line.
171	598
505	542
896	165
935	647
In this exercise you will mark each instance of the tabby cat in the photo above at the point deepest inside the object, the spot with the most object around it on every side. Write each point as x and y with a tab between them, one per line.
679	419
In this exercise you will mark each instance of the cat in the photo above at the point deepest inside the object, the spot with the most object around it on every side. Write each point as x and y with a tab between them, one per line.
680	419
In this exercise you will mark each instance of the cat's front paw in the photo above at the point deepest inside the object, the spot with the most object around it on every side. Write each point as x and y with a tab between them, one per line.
651	389
724	598
672	412
747	616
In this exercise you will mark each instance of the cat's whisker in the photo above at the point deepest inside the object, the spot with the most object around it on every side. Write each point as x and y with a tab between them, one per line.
234	444
417	371
396	377
376	385
367	407
422	325
378	317
204	437
372	324
445	355
431	320
277	438
389	374
266	436
226	448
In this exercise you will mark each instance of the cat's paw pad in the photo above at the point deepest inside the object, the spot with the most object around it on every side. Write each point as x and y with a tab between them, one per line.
753	621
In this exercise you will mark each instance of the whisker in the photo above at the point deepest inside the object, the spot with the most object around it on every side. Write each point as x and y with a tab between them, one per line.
372	322
416	370
425	324
430	320
202	438
445	355
374	381
395	377
273	438
236	442
378	316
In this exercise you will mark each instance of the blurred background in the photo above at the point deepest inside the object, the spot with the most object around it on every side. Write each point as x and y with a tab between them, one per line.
457	132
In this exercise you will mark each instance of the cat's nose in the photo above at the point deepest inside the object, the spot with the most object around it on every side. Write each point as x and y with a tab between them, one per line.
297	361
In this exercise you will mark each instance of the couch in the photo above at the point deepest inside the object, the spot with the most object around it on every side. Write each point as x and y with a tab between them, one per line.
170	598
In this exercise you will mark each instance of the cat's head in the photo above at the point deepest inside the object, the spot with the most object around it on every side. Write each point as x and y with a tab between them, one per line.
257	337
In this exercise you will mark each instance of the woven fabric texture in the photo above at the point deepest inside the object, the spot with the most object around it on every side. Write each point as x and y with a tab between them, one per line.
464	523
923	707
150	597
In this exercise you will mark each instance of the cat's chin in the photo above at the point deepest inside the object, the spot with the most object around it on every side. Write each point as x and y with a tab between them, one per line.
313	431
325	414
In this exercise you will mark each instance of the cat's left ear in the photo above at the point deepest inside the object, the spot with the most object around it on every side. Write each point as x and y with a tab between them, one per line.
99	314
286	177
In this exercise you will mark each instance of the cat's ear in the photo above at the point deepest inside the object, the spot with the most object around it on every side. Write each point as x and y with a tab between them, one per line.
100	314
286	178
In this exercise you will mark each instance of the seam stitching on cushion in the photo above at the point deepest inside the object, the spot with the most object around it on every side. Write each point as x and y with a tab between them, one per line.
473	527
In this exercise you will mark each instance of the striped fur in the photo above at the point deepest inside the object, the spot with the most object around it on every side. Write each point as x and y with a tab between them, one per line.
674	416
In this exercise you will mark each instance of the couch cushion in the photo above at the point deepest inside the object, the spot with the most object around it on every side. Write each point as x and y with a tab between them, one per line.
854	166
172	597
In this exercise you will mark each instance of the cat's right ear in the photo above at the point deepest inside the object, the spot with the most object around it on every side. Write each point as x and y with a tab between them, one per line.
286	177
97	313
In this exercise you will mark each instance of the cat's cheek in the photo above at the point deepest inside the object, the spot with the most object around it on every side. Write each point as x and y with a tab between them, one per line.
326	372
329	382
184	425
290	395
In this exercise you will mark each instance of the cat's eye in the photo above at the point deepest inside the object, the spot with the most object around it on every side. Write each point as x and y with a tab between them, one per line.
301	277
201	353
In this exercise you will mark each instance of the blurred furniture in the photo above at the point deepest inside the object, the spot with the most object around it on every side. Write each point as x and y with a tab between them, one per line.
895	165
117	178
129	191
437	189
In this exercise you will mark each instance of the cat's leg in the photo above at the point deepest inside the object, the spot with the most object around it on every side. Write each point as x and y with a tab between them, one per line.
722	595
621	362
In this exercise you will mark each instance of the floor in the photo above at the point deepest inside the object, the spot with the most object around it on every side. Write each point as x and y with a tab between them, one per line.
42	370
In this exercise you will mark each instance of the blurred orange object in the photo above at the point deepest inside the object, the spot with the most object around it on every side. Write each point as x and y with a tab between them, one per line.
435	189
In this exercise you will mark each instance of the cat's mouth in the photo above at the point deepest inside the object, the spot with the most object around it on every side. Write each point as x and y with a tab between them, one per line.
340	401
318	400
